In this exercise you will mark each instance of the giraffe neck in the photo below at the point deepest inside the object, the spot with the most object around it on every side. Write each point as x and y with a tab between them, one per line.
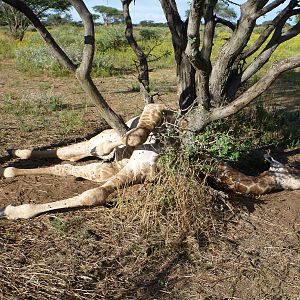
239	182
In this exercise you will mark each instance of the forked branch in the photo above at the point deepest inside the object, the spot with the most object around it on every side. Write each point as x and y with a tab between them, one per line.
277	39
283	15
84	69
195	121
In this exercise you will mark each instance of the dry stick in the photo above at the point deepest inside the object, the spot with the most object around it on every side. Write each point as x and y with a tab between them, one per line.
143	70
84	69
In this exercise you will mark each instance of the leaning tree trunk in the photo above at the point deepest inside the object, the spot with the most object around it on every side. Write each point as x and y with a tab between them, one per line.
83	70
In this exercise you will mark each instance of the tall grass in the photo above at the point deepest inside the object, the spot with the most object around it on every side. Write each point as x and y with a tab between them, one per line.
113	55
7	46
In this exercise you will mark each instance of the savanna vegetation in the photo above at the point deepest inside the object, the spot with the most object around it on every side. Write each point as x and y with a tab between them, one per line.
171	239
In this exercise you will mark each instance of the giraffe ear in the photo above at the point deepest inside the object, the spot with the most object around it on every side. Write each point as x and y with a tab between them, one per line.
273	163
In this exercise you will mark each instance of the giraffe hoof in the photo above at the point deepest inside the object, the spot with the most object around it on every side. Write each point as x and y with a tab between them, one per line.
17	153
2	213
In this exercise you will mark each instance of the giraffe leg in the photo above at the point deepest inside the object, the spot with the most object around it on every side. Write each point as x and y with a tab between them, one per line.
100	145
72	152
98	172
97	146
132	173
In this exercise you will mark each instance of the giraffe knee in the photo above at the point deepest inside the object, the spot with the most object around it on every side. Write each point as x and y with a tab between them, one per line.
94	197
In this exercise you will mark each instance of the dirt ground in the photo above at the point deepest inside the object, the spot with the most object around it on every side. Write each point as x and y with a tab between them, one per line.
97	254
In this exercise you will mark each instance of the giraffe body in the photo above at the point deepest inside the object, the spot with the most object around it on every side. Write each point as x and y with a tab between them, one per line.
135	156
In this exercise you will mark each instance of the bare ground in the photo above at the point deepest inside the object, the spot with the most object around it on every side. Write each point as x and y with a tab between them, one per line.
109	252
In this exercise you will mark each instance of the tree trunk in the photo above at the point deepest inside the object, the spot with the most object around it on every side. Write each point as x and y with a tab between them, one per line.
186	85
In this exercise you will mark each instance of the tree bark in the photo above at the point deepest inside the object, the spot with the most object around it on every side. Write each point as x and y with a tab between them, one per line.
195	121
186	84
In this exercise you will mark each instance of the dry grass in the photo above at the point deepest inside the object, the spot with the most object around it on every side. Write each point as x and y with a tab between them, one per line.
132	250
169	239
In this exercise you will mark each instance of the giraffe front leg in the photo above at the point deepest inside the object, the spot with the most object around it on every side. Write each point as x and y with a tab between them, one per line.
72	152
96	196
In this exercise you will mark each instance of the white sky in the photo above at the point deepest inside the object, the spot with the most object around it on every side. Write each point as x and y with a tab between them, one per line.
150	9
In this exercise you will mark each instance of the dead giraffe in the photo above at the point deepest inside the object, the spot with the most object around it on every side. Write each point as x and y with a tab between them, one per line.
135	161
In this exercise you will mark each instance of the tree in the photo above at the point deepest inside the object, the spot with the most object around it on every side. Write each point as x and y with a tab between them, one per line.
109	15
208	91
223	10
58	19
18	22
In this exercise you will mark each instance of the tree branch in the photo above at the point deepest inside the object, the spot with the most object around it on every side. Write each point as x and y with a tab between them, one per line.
273	44
257	89
269	8
193	35
209	32
225	22
174	21
83	72
267	32
143	70
201	65
228	58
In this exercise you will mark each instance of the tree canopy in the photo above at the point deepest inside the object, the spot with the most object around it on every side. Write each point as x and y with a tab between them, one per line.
109	15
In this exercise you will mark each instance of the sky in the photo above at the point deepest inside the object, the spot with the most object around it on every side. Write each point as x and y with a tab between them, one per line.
149	9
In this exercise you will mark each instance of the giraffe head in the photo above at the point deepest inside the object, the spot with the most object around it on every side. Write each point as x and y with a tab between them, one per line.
285	177
152	116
